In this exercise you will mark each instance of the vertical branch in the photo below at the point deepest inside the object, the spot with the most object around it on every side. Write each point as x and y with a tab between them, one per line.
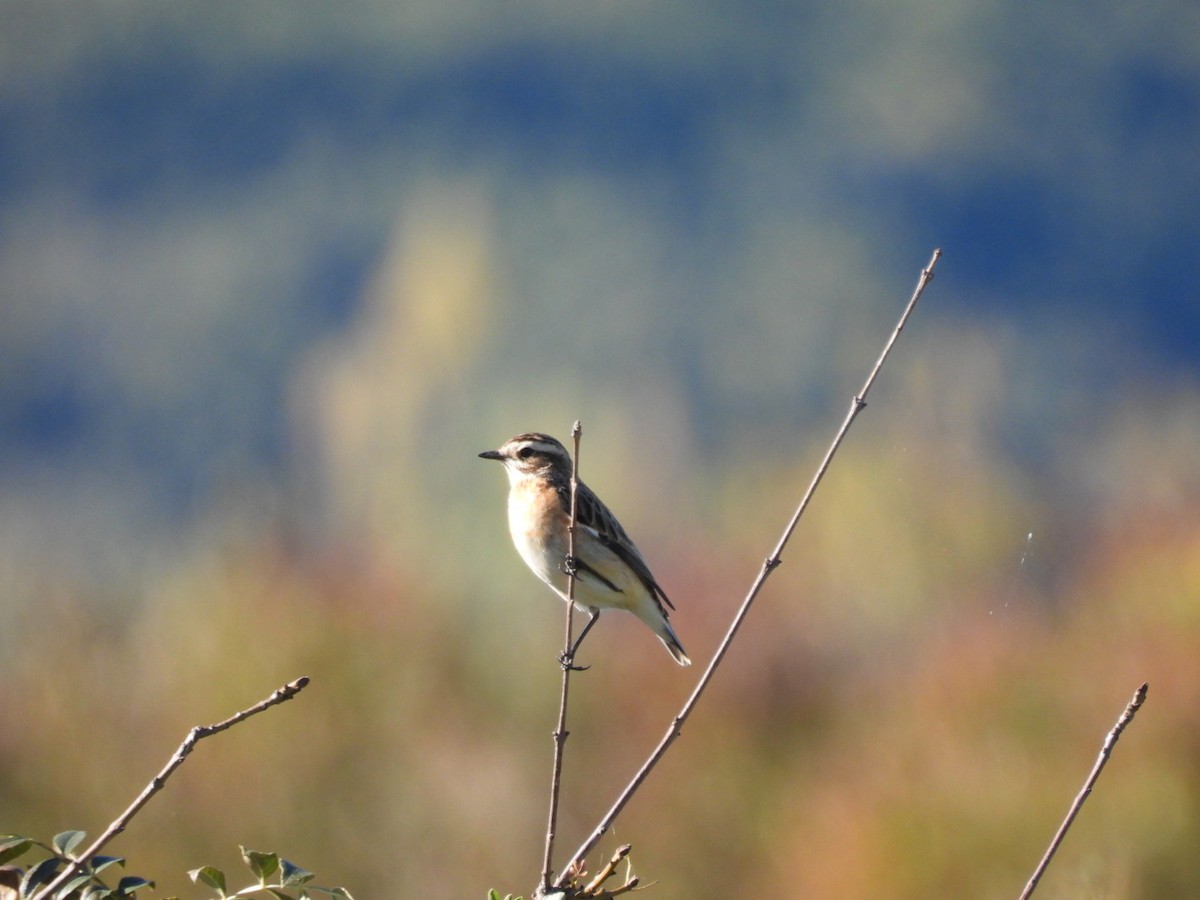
1106	749
857	403
560	731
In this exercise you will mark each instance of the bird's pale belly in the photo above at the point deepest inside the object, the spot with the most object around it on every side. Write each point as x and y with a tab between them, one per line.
539	527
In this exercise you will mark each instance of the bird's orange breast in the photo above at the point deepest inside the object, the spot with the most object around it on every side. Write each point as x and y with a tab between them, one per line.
535	515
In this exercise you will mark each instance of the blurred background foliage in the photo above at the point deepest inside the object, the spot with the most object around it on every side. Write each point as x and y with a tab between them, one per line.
271	276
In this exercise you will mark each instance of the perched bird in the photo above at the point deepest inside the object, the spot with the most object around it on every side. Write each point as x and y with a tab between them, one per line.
610	572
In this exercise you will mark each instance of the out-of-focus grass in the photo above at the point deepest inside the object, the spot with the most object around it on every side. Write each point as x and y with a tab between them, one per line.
850	749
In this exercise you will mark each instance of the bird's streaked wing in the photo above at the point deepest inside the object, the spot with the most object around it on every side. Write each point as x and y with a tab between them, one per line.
595	516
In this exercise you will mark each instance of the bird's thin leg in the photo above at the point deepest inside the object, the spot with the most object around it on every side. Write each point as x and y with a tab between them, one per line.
567	660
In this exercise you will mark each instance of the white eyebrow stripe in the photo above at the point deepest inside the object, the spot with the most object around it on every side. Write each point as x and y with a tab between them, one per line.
545	447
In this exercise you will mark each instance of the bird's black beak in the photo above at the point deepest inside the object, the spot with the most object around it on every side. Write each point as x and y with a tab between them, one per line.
490	454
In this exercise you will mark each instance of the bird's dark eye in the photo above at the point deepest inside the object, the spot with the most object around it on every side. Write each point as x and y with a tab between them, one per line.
526	452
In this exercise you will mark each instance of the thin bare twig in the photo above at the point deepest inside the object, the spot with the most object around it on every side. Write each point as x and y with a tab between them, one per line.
608	870
287	692
560	730
1106	749
769	565
574	888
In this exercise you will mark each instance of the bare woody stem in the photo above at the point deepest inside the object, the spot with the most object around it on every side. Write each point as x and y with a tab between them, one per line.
287	692
560	730
1106	749
769	565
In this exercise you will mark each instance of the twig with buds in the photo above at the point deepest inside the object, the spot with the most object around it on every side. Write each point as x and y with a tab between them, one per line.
560	730
1106	749
287	692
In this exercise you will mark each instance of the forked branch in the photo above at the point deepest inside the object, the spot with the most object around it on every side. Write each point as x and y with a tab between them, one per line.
769	565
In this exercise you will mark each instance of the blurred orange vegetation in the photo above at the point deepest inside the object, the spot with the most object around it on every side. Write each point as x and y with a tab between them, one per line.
908	712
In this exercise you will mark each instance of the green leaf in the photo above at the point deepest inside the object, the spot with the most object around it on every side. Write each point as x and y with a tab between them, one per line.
76	882
263	865
13	846
131	883
211	876
96	892
278	894
41	874
66	841
100	863
293	875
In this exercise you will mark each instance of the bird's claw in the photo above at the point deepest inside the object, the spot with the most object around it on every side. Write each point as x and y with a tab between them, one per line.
569	566
567	661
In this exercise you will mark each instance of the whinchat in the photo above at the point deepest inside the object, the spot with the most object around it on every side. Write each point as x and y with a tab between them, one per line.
610	572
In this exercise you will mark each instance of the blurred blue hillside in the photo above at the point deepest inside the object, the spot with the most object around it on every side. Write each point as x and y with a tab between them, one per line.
715	197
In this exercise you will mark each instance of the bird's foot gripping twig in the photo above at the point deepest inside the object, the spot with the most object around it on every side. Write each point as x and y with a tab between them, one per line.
567	661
